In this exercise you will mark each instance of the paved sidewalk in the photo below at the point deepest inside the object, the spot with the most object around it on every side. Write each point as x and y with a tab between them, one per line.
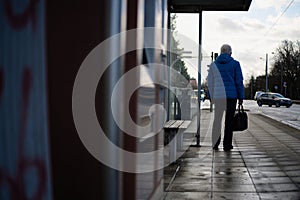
264	164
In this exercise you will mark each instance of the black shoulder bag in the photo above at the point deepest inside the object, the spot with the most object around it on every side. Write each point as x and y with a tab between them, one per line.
240	119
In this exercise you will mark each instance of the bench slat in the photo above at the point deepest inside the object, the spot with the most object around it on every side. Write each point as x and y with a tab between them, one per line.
176	124
185	124
169	123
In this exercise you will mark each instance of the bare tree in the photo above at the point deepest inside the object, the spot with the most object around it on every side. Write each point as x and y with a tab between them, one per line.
286	71
177	63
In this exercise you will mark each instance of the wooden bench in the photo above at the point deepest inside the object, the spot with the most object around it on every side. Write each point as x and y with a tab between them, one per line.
173	130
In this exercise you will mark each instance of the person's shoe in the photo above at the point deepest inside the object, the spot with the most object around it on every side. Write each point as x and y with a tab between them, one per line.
228	148
215	148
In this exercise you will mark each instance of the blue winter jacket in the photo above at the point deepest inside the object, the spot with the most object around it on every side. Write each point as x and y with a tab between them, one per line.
225	78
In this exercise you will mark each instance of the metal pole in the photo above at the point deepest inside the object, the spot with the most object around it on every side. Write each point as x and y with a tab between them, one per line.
281	78
266	72
210	103
251	93
112	177
169	71
199	78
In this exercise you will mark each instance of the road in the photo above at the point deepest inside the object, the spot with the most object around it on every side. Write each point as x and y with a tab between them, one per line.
289	116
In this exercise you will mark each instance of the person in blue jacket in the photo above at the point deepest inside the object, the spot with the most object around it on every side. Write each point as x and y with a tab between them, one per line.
225	83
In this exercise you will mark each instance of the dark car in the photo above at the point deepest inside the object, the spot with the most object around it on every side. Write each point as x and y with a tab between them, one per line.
273	99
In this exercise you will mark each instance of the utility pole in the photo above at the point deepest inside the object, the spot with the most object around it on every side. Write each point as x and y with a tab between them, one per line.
251	91
281	79
199	80
266	72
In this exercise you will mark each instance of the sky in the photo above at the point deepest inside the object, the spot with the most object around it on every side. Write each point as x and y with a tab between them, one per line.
252	34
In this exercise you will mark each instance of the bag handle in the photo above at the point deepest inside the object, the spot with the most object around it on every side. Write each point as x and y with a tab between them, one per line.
239	108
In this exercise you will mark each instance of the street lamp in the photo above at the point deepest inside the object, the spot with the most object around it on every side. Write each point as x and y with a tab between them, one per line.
281	78
267	71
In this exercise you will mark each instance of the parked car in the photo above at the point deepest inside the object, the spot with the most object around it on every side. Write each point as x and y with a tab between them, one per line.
273	99
202	95
257	94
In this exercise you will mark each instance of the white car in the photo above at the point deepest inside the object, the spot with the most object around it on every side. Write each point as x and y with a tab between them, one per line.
257	94
202	94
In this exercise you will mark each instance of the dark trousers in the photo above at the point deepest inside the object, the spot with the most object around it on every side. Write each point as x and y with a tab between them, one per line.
229	106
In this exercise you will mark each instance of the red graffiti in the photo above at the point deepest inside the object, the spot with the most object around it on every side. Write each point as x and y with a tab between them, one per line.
17	185
18	21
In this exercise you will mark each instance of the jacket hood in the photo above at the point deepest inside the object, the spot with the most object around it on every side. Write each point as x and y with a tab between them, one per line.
224	58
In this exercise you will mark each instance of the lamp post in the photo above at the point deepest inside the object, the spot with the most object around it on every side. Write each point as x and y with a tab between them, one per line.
281	78
266	72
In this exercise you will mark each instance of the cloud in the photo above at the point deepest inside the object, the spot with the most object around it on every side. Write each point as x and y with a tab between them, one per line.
253	24
278	5
286	28
230	25
250	34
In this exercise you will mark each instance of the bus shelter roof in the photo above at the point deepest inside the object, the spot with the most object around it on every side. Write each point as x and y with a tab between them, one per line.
196	6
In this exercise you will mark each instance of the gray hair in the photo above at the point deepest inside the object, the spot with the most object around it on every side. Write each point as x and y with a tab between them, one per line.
226	49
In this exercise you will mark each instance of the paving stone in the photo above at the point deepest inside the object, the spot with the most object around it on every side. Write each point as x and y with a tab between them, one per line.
234	180
296	179
259	160
261	164
280	196
285	163
267	174
237	164
189	187
264	164
188	195
193	180
194	176
285	159
293	173
261	180
195	170
291	167
186	168
226	174
263	169
233	187
276	187
198	160
240	196
230	169
228	161
258	156
195	164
